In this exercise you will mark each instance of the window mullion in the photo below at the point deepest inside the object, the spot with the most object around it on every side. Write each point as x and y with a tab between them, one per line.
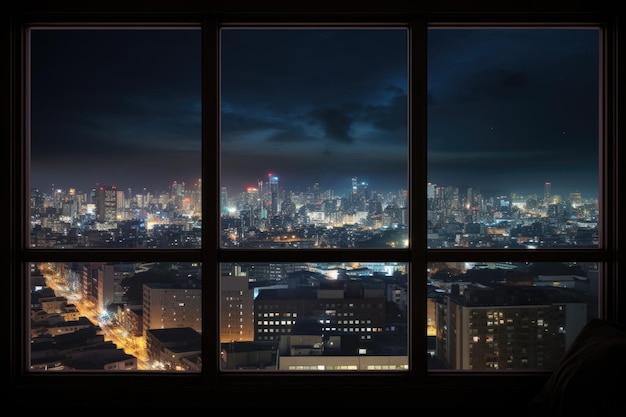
210	209
417	198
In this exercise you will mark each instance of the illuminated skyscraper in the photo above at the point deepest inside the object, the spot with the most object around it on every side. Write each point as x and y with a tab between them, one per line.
547	192
196	198
273	180
359	194
106	203
224	200
177	194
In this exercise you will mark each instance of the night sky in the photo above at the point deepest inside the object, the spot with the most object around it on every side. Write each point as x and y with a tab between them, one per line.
508	110
512	109
115	107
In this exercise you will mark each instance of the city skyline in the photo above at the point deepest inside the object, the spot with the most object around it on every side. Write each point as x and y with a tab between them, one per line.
344	190
320	106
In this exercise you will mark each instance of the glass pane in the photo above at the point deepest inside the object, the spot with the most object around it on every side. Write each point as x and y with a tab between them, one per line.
115	138
314	316
98	316
314	138
507	315
513	138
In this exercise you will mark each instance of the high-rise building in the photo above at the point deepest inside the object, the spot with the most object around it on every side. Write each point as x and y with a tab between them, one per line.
177	194
274	195
171	305
196	198
507	327
109	284
358	195
224	200
88	280
547	192
106	204
236	308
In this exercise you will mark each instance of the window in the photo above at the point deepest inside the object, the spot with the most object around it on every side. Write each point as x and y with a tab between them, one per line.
494	331
314	140
493	186
118	132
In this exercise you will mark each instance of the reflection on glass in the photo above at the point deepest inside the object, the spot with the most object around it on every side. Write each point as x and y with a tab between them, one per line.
314	138
97	316
314	316
513	138
507	316
115	138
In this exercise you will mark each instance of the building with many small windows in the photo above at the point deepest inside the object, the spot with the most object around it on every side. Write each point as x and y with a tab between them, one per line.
236	309
171	305
507	327
351	315
106	204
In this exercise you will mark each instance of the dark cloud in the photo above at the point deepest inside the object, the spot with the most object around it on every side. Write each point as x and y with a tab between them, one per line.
390	117
329	96
335	124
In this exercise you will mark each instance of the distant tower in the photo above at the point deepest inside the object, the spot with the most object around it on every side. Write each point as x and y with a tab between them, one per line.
470	198
224	200
177	194
106	203
273	179
358	195
197	198
121	201
547	192
316	192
